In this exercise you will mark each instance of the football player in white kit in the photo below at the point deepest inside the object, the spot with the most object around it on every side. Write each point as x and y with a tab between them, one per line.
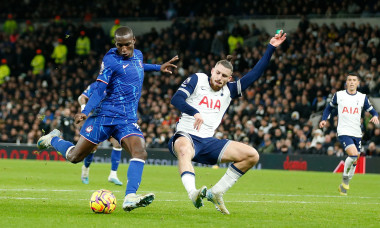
203	102
350	104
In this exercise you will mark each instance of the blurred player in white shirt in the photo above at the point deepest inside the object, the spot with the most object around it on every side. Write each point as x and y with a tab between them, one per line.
350	104
203	102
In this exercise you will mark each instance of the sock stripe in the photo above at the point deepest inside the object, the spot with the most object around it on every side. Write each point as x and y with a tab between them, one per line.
137	159
354	156
187	172
236	170
117	149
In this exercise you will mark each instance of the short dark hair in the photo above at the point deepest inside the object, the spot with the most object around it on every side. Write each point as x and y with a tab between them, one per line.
354	74
226	63
123	30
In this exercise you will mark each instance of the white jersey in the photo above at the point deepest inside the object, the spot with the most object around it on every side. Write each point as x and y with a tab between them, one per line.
211	105
349	112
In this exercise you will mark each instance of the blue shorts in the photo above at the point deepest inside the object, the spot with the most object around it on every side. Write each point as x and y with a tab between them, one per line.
346	141
97	129
207	150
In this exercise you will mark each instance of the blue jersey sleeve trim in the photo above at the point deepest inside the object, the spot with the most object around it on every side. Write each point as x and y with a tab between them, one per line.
369	108
258	70
334	101
235	89
151	67
96	97
327	112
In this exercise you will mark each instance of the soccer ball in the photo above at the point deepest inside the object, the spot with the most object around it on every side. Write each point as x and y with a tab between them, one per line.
103	201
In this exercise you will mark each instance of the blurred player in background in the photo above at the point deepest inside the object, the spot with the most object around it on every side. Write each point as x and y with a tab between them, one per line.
116	150
203	102
121	78
350	104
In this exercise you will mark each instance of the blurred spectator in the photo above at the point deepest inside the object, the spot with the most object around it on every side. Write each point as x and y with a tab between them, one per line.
38	63
268	146
5	71
113	29
83	44
372	150
10	25
60	52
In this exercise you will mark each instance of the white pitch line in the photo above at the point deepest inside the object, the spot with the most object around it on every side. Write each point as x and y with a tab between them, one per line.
230	201
162	192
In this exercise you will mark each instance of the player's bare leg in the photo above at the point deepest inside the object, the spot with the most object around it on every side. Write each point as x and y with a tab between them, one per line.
185	153
73	153
136	147
244	158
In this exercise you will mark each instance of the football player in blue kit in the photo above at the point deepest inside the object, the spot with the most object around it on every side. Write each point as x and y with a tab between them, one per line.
116	150
121	78
350	104
203	101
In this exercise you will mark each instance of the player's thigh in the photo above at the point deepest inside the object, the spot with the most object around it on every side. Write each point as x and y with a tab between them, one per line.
237	151
183	148
135	145
114	142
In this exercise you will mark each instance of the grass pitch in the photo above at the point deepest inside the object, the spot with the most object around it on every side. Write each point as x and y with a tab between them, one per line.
50	194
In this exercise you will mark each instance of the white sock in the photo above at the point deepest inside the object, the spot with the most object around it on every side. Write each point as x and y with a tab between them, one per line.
85	171
113	174
352	171
347	164
188	181
226	182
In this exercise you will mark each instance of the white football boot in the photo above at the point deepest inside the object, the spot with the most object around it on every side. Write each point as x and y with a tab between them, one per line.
132	201
45	141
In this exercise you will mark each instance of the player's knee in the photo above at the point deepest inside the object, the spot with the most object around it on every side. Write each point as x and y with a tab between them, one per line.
252	156
139	153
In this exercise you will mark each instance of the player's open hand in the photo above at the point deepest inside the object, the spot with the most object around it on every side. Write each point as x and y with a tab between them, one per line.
165	68
198	121
374	120
278	39
78	118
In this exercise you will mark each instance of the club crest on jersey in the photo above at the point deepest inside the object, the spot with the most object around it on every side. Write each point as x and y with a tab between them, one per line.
140	63
89	129
186	82
350	110
210	103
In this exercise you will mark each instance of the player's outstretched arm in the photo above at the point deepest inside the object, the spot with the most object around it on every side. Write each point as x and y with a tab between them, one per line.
278	39
165	68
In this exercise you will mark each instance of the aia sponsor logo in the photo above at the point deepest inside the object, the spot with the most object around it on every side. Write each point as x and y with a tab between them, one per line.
210	103
350	110
89	129
295	165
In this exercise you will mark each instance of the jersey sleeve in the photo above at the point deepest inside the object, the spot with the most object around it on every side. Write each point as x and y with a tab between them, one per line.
151	67
235	89
188	86
87	92
105	72
369	108
329	107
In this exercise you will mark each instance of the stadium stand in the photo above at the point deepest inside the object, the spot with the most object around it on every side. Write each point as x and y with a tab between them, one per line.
283	106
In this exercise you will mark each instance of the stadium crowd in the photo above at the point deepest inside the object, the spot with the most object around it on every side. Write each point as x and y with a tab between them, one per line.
88	9
45	67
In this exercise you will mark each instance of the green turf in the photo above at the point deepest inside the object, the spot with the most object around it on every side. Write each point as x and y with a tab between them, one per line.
50	194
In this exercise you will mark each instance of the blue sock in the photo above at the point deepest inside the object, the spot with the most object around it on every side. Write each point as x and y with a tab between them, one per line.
61	145
115	158
134	174
87	160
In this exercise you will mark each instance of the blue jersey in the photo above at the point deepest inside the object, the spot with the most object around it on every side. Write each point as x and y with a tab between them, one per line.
90	90
124	78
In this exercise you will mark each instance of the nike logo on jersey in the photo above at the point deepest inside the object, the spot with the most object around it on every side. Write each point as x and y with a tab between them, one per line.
125	66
